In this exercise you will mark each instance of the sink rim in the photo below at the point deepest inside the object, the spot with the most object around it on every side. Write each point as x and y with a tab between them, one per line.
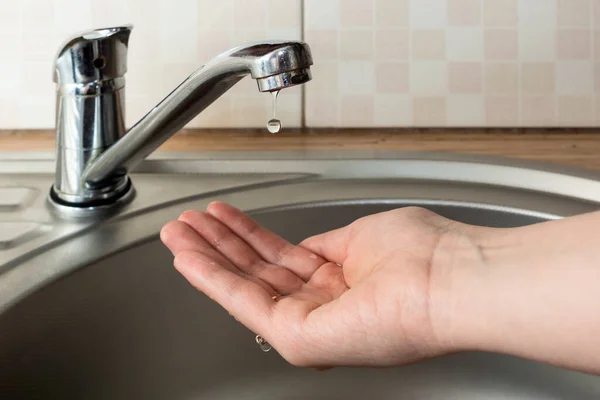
292	169
448	166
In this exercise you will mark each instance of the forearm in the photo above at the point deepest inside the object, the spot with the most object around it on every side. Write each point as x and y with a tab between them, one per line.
532	292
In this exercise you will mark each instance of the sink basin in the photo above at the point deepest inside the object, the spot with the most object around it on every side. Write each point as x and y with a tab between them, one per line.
92	308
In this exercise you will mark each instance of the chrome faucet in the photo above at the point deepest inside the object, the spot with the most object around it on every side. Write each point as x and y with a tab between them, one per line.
94	151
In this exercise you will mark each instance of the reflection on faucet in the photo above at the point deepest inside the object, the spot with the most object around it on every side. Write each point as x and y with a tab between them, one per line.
94	153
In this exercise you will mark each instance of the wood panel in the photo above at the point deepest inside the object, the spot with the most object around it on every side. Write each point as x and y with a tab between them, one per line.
576	147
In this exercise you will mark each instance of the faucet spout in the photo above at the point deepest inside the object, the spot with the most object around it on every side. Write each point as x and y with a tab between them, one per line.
274	65
95	153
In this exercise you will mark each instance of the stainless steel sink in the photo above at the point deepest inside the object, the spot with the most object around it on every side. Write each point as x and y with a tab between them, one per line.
92	308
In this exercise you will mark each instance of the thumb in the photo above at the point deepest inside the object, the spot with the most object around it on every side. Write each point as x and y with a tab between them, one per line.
332	245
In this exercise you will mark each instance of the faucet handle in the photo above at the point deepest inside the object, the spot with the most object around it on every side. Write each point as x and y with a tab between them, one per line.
93	56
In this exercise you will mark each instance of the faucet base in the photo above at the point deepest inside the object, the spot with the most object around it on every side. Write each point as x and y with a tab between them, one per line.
100	207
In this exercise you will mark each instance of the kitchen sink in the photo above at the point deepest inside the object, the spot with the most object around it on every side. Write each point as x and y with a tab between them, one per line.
91	307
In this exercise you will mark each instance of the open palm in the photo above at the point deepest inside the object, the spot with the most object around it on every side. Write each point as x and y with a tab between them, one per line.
359	295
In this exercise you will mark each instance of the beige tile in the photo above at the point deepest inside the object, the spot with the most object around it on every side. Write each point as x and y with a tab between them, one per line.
575	110
325	77
391	13
574	13
356	13
429	44
12	76
465	78
428	78
464	44
356	77
37	16
537	14
248	35
596	5
36	79
250	111
597	45
35	48
597	109
250	14
10	16
502	78
464	12
574	78
356	44
500	13
597	78
215	15
322	110
502	111
501	44
465	110
573	44
323	43
429	111
392	44
72	16
289	103
143	80
428	14
357	111
393	110
10	115
538	110
283	13
37	112
392	77
109	13
537	44
319	14
538	78
219	42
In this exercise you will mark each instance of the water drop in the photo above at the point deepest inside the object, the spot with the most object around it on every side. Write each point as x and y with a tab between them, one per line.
263	344
274	125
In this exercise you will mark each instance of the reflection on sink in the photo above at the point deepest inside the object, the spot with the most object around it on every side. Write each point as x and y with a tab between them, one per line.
94	309
129	326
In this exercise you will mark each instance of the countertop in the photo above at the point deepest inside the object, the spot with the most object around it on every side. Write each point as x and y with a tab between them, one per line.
574	147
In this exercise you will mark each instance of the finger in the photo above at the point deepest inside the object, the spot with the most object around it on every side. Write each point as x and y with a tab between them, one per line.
268	245
330	279
178	237
240	253
245	300
332	245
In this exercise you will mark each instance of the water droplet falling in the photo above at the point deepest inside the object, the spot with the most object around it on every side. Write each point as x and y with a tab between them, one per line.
263	344
274	124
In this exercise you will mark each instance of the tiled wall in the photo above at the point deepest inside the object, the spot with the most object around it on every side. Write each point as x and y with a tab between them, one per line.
377	62
454	62
170	39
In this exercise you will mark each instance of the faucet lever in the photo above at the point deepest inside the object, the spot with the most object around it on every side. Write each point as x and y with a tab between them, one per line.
93	56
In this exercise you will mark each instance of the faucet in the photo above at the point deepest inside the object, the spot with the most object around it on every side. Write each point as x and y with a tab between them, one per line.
94	150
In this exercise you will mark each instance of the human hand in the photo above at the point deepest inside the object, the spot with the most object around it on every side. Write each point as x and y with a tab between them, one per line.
367	294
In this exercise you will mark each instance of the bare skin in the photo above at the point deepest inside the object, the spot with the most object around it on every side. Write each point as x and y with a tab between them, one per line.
400	286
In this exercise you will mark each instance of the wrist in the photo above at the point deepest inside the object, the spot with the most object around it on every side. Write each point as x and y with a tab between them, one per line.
457	283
